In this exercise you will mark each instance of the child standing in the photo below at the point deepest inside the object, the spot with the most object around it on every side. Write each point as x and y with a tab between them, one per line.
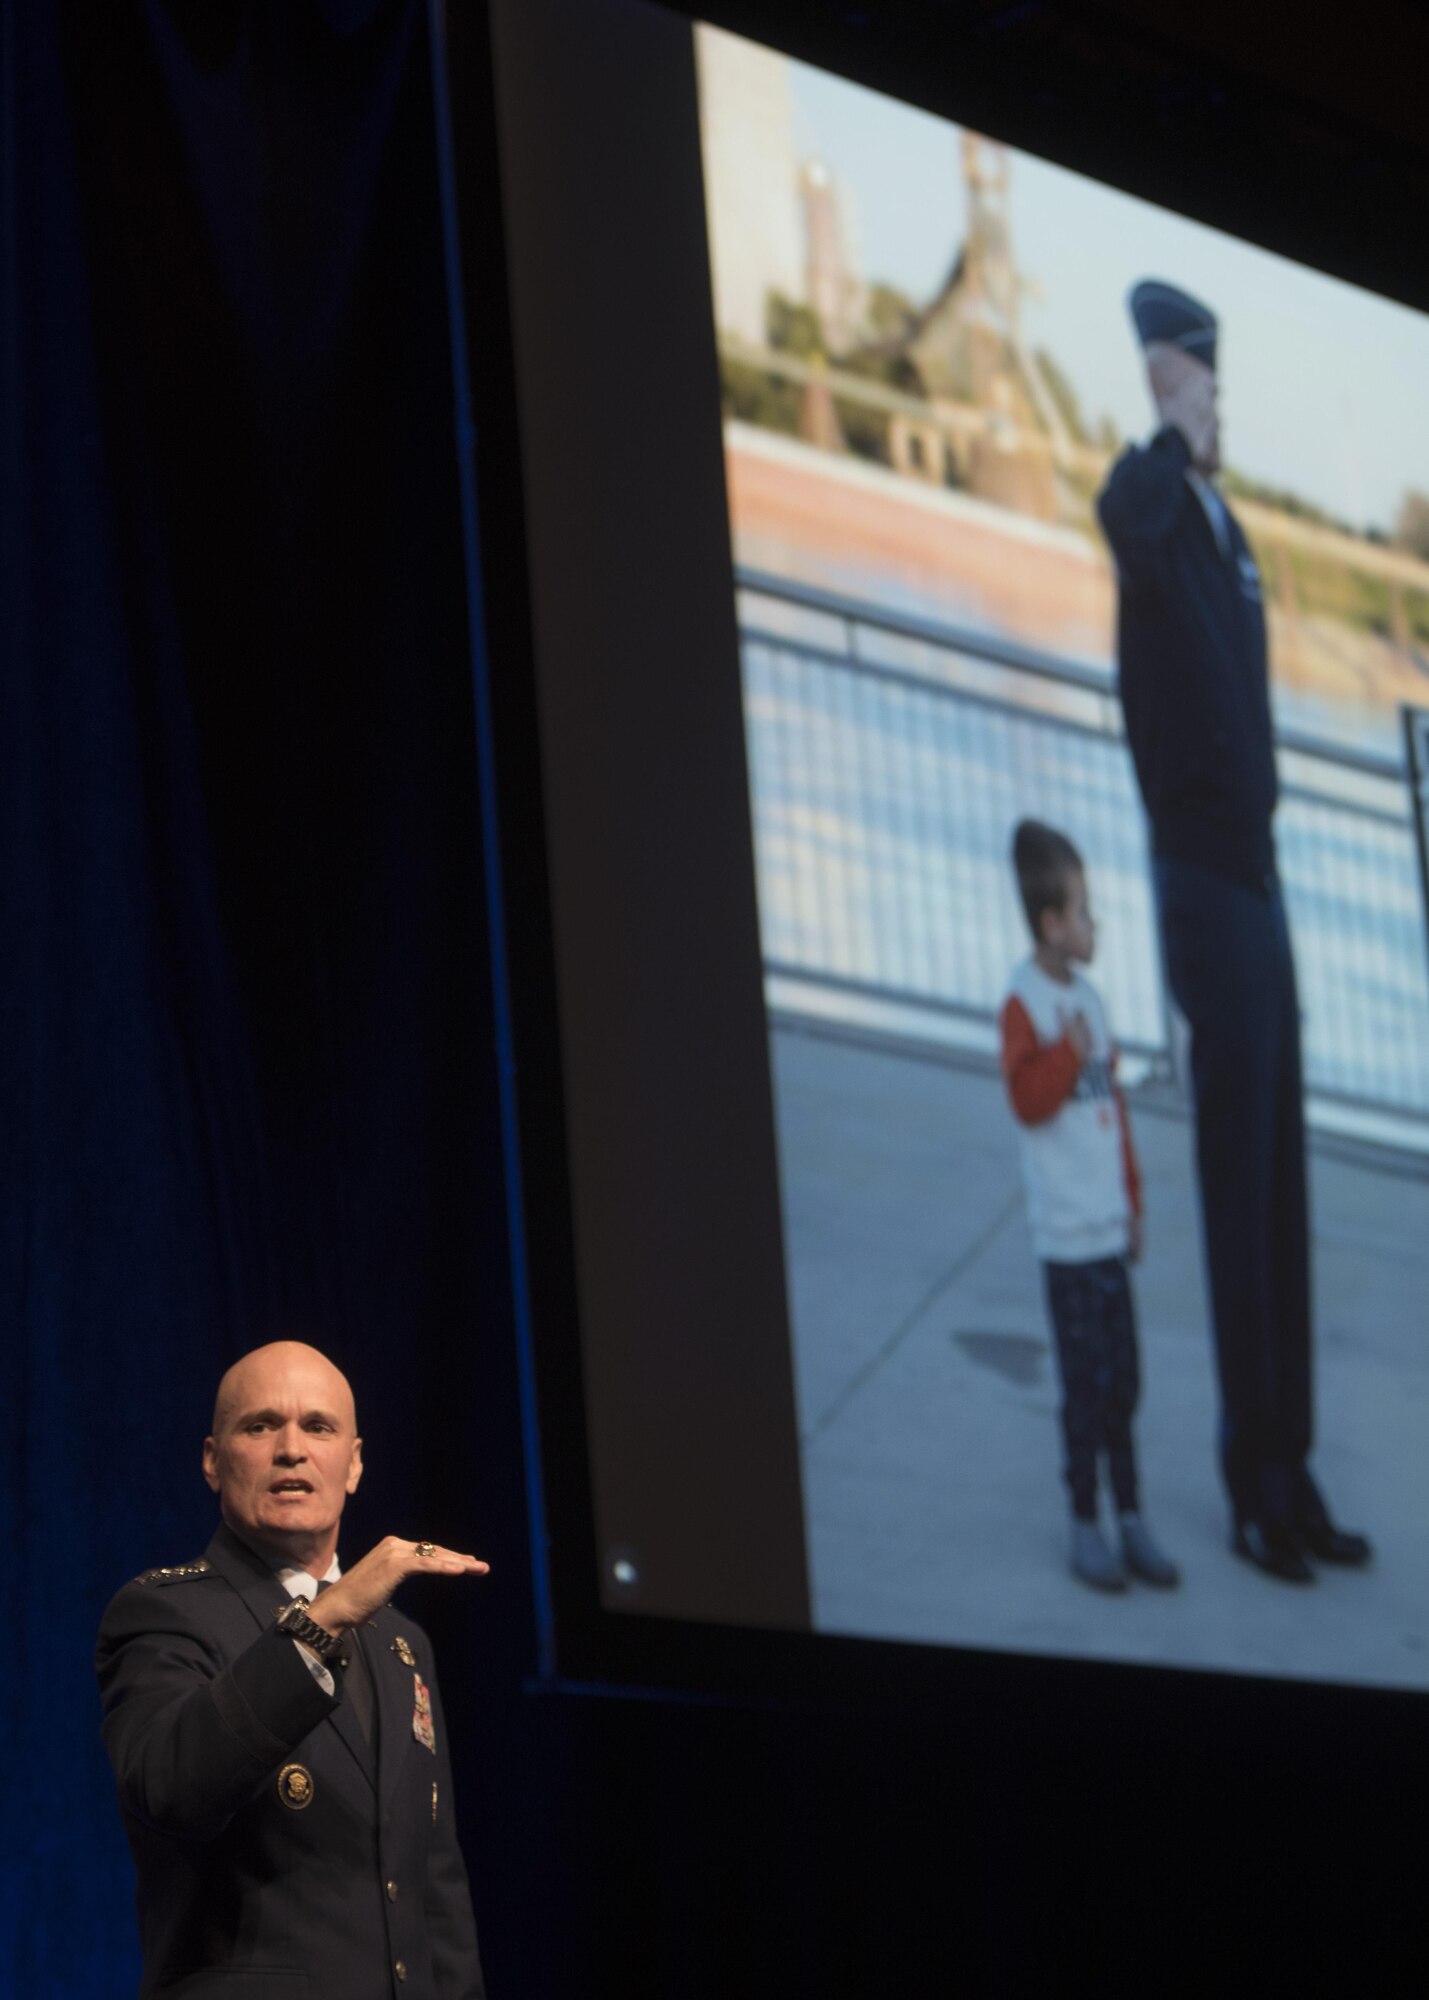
1083	1198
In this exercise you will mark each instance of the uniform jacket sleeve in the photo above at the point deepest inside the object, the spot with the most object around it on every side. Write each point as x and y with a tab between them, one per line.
1143	495
451	1927
192	1739
1040	1076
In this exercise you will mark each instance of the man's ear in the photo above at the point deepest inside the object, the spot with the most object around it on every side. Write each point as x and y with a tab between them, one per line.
354	1469
210	1463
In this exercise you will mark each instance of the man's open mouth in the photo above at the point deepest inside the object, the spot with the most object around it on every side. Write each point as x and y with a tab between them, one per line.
290	1486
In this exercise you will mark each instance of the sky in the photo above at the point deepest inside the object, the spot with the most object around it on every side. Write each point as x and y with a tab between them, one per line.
1323	386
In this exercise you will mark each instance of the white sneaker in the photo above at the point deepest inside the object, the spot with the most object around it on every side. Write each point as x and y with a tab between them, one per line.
1143	1558
1093	1561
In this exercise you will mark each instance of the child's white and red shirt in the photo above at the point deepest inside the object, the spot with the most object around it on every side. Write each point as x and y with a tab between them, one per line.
1078	1162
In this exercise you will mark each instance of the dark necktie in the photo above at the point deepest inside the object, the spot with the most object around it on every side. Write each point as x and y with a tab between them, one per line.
357	1679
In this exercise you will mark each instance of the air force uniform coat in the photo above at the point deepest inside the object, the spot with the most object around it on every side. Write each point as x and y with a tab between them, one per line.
279	1856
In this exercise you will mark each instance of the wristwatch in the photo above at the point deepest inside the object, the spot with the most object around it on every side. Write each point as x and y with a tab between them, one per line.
294	1623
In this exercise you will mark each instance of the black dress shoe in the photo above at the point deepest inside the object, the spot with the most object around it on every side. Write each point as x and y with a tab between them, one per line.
1329	1544
1272	1549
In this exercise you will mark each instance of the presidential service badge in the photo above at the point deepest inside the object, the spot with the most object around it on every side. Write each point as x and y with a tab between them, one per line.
295	1786
422	1717
404	1651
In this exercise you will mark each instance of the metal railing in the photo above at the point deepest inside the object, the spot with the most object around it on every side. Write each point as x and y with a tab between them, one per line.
890	758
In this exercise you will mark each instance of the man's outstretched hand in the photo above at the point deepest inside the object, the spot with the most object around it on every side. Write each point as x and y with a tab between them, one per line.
366	1587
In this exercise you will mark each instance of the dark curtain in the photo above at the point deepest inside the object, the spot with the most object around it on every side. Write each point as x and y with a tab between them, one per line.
245	1020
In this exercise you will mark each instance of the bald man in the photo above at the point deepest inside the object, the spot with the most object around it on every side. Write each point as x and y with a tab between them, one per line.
276	1731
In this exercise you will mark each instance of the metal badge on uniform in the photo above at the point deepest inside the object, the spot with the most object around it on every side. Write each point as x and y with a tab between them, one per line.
422	1717
434	1799
404	1651
295	1786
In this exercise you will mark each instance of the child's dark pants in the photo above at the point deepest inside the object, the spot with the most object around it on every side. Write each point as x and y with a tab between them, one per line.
1094	1324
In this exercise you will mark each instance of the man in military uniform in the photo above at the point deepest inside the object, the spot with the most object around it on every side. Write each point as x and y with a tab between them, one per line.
1194	689
276	1730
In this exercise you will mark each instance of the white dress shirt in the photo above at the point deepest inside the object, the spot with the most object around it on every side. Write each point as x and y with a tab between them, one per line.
1215	509
299	1583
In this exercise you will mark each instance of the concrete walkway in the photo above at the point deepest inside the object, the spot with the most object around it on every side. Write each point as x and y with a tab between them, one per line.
928	1393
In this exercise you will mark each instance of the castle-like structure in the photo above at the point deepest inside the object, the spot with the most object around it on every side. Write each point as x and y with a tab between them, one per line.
778	227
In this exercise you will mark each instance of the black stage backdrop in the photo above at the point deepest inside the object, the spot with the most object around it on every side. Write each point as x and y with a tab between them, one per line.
246	1038
249	1088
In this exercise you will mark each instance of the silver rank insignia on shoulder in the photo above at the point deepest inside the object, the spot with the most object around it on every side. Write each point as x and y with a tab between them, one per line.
178	1573
404	1651
295	1786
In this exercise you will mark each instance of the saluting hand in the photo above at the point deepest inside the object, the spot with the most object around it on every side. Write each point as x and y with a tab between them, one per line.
366	1587
1185	393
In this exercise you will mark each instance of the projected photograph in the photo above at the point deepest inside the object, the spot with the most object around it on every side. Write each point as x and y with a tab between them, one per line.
1104	1146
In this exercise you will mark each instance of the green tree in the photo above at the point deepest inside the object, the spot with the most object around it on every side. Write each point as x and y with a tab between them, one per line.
891	314
1411	529
792	328
757	398
895	371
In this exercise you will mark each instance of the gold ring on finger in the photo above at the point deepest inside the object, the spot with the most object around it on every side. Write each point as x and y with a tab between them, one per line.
425	1548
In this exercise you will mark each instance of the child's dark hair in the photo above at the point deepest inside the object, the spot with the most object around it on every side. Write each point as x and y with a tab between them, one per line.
1044	860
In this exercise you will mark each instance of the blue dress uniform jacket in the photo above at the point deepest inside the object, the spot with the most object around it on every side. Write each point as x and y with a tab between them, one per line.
1192	653
279	1856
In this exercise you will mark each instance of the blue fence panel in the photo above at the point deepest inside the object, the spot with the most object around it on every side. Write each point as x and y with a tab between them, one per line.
889	762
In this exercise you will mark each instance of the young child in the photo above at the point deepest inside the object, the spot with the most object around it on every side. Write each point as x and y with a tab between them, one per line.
1083	1199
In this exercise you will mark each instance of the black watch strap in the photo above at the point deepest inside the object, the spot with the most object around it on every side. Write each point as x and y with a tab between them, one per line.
294	1623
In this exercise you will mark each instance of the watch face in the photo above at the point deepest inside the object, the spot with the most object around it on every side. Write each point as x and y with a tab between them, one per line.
294	1620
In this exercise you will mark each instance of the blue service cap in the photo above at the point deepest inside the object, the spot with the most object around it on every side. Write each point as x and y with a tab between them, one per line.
1161	312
